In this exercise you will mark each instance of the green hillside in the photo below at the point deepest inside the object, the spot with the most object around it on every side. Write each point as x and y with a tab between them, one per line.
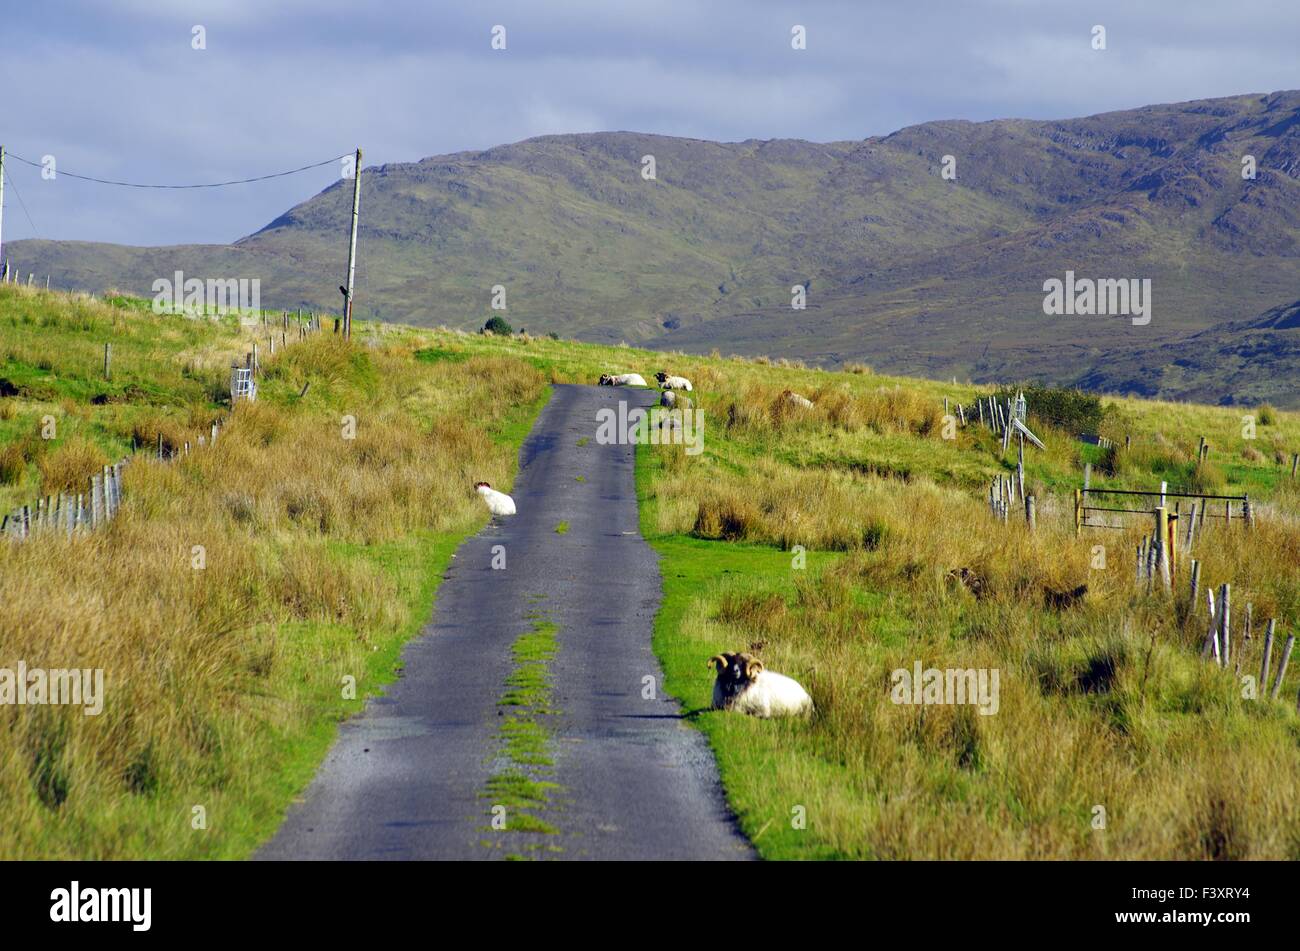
905	270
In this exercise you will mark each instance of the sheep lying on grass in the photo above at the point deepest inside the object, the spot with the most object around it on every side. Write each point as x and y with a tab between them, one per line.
622	379
744	686
794	399
672	382
498	503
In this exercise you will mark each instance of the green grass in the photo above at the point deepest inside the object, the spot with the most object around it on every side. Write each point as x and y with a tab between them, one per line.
521	783
316	658
696	574
885	507
226	687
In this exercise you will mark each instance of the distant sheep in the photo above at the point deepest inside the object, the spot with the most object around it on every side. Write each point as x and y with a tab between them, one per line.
743	685
673	382
794	399
622	379
498	503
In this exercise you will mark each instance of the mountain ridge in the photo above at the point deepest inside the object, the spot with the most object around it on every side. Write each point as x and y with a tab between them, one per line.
905	270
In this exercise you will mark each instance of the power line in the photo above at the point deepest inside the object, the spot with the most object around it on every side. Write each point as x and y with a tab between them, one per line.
242	181
10	179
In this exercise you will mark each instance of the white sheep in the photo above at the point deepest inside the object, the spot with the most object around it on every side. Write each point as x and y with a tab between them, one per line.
744	686
622	379
795	399
498	503
673	382
668	398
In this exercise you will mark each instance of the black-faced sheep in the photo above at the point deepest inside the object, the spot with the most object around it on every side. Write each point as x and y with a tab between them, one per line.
743	685
622	379
498	503
672	382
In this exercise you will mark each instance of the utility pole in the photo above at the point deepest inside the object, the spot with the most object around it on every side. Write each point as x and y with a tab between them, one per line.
352	248
2	208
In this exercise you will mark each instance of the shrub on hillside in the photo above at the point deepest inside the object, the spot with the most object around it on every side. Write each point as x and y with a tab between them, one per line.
1072	410
498	326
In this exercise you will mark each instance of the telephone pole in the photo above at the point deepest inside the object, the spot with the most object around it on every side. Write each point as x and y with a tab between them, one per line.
352	248
2	211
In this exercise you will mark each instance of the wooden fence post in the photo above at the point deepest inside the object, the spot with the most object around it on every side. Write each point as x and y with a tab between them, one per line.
1020	465
1268	650
1225	623
108	361
1212	635
96	501
1281	667
106	480
1196	584
1078	511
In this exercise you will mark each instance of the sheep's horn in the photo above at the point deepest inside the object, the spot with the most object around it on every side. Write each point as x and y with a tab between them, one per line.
719	659
754	669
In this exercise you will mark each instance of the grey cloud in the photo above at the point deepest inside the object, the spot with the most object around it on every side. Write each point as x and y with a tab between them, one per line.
113	89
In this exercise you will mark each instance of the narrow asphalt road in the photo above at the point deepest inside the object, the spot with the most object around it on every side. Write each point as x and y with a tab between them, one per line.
406	778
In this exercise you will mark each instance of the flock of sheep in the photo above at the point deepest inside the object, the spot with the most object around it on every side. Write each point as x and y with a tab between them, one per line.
743	684
672	383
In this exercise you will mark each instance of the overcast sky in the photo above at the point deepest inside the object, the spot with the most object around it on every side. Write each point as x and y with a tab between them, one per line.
114	89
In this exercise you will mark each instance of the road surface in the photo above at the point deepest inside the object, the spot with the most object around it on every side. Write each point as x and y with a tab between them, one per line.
406	778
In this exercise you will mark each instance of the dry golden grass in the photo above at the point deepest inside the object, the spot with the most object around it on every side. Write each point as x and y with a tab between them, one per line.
313	549
1104	702
66	468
